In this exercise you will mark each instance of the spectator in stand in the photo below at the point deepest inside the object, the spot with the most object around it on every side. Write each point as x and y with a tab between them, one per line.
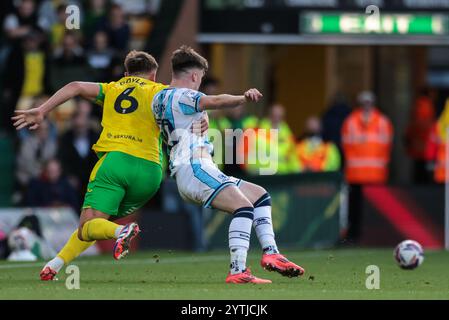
217	121
75	152
11	68
256	143
420	125
51	189
6	7
35	150
36	71
367	136
332	120
100	57
96	16
91	111
315	154
287	160
16	25
436	145
237	120
240	120
71	53
22	21
52	129
69	63
117	29
58	28
50	12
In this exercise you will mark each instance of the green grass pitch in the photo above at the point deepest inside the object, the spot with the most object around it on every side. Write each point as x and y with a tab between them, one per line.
330	274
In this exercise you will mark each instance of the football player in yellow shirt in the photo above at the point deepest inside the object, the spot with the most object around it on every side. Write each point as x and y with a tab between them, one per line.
128	172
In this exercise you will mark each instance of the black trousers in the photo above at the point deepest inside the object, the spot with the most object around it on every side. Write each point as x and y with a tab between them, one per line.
420	173
355	212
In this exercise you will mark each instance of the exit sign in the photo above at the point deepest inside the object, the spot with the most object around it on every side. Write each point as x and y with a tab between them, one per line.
384	24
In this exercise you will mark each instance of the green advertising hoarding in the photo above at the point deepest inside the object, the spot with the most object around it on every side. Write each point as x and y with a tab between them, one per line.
306	211
338	23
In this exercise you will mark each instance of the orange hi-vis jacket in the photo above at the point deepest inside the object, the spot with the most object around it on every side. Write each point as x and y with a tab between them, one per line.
317	156
436	146
366	146
436	150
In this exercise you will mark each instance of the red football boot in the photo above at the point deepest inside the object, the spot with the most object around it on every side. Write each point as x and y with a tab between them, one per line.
279	263
121	247
48	274
245	277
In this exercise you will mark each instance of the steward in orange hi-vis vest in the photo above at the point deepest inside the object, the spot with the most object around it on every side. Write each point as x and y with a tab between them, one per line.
316	155
436	151
366	141
436	145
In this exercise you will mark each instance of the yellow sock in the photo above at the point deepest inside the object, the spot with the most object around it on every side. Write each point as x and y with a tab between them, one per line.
99	229
73	248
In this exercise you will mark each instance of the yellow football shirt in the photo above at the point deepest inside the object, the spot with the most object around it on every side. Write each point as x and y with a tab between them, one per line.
34	74
128	122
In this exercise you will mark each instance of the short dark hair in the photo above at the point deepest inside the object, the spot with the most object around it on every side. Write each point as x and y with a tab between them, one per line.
140	62
185	58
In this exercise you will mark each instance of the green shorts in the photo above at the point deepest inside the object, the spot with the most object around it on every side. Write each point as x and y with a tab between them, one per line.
120	183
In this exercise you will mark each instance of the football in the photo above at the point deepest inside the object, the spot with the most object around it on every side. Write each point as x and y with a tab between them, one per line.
409	254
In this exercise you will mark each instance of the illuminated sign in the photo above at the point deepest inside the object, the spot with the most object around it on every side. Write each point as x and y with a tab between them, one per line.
383	24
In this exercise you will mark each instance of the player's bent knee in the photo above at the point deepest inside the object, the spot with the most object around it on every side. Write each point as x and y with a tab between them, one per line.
86	215
230	199
80	232
260	191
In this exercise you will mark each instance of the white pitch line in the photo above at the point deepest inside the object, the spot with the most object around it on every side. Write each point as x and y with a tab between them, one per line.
163	260
21	265
124	262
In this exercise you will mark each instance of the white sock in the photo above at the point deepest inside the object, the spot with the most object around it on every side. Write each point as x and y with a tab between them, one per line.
239	236
263	225
56	263
238	260
118	231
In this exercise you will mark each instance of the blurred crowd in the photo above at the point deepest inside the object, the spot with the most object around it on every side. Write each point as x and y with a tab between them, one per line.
356	140
39	53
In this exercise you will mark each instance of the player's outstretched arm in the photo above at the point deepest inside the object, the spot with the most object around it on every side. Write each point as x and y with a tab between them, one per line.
224	101
32	118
